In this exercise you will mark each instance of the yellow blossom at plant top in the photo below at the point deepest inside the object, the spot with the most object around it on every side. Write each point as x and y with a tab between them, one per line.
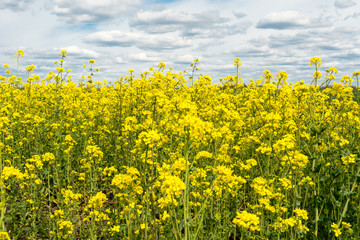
348	159
261	187
296	160
226	181
237	63
203	154
48	157
69	196
336	229
172	185
247	220
63	53
4	236
115	229
66	228
97	201
30	68
307	180
125	180
8	172
301	213
19	53
315	61
346	227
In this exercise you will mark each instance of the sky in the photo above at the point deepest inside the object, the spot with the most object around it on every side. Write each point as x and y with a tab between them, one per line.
277	35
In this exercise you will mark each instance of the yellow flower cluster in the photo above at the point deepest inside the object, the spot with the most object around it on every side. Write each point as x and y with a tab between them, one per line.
97	201
345	227
4	236
69	196
247	220
171	187
348	159
8	172
66	228
226	182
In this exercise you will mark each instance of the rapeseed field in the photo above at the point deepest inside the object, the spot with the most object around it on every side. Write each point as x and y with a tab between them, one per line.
168	156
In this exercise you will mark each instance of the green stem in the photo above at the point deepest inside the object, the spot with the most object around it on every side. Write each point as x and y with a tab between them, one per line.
186	191
348	199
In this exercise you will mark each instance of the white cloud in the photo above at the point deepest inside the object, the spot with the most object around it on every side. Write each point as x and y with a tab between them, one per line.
143	57
283	20
92	11
81	52
344	3
248	50
239	14
135	39
17	5
170	21
186	59
120	60
332	64
354	15
173	17
201	24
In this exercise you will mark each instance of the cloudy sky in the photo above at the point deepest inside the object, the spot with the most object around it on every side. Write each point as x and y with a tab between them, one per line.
278	35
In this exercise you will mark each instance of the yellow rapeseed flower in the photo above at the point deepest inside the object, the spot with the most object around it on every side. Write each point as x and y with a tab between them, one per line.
336	229
346	160
315	61
247	220
30	68
4	236
19	53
